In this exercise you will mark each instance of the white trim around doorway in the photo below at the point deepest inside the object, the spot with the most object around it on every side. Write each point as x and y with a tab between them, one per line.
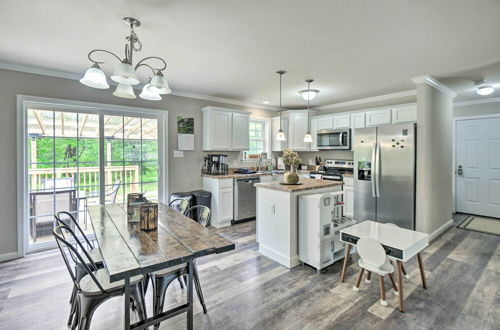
454	159
70	106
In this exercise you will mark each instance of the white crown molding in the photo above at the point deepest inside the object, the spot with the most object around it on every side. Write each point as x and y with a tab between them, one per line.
385	97
431	81
479	101
76	76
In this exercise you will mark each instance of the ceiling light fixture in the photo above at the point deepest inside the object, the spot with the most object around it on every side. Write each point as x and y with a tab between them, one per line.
309	94
265	102
308	137
125	75
280	136
483	89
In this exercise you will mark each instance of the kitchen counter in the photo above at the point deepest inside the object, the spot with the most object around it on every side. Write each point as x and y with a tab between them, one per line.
239	175
307	184
348	175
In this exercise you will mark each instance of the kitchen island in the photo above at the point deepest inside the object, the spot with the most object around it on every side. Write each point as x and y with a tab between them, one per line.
277	217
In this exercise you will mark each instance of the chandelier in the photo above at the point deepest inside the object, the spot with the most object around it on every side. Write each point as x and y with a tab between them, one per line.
125	75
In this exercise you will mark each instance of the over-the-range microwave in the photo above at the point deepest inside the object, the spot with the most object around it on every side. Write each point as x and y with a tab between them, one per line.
331	139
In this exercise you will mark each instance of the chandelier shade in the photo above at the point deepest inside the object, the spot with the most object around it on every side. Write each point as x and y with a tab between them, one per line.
124	91
149	93
125	73
94	77
159	84
280	136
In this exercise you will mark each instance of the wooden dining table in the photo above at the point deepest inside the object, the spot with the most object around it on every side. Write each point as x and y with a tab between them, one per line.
128	251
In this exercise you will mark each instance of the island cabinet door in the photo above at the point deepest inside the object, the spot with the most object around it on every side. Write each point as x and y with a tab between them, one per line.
226	204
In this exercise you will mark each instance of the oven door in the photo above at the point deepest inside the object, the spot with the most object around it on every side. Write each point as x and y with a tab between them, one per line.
334	139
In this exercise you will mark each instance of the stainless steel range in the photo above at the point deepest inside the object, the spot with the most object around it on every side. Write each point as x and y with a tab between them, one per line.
334	170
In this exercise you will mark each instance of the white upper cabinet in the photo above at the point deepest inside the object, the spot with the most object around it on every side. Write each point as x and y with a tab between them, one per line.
275	127
358	120
379	117
241	136
225	129
342	121
297	129
404	113
325	122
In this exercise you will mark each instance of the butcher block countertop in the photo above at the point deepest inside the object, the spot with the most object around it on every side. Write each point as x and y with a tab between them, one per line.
307	184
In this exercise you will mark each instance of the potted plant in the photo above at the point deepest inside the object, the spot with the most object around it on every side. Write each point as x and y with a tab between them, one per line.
292	159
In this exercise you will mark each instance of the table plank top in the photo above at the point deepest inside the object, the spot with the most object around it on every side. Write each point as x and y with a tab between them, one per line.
128	251
397	237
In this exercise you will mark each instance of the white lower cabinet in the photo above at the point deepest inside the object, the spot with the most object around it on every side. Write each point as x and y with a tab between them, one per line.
348	197
222	200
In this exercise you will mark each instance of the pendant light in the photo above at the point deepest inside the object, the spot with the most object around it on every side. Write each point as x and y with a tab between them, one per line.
308	137
281	135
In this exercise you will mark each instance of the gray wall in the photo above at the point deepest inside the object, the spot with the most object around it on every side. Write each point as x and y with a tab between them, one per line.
434	160
477	109
183	173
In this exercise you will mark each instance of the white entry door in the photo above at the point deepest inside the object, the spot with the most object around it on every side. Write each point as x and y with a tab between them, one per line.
478	166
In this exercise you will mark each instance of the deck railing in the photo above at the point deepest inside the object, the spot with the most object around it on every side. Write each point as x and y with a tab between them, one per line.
88	177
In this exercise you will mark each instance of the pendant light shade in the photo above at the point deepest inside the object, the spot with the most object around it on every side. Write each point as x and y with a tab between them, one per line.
308	137
280	136
125	74
149	94
94	77
309	94
124	91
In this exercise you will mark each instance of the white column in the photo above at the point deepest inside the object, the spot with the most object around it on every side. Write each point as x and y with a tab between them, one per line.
434	154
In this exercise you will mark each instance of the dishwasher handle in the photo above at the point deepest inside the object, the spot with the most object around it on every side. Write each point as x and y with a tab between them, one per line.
248	180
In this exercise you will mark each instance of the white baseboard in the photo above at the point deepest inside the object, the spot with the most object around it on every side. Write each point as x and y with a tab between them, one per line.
288	262
9	256
440	230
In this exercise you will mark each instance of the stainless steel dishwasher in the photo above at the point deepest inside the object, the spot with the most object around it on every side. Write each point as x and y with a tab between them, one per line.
244	199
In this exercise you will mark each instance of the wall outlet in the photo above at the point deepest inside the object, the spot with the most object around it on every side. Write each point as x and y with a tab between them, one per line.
272	209
178	153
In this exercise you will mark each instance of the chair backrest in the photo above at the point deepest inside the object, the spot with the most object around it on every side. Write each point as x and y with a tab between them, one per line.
60	234
64	218
371	251
114	191
200	213
57	183
180	205
42	203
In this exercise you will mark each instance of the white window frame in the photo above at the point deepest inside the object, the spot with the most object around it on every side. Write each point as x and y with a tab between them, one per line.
25	101
266	139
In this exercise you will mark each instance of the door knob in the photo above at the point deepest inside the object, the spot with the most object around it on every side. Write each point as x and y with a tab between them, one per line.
460	170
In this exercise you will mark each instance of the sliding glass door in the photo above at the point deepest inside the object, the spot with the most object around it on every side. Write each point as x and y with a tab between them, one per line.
76	158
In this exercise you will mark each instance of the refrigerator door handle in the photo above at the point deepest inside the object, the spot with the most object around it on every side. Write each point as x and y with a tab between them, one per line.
373	169
377	169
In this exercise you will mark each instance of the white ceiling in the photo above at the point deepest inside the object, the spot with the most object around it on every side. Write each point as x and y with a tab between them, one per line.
231	49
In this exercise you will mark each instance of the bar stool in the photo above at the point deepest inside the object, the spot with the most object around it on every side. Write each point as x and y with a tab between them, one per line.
374	260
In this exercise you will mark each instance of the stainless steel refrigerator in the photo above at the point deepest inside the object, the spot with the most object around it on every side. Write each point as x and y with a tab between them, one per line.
384	174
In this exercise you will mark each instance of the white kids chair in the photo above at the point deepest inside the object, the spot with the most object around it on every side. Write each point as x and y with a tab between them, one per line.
373	259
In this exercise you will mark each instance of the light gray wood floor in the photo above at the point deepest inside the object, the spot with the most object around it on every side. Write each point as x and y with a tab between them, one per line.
244	290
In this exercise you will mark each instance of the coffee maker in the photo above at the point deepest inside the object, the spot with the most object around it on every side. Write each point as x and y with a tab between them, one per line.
215	164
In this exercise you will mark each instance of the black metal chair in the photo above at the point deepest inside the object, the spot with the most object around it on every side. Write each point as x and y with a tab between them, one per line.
66	219
179	204
94	287
200	214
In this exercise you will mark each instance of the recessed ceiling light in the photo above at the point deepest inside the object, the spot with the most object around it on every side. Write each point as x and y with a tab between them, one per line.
265	102
485	90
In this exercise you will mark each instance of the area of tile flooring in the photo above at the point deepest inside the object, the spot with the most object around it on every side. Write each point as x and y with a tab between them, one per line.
244	290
